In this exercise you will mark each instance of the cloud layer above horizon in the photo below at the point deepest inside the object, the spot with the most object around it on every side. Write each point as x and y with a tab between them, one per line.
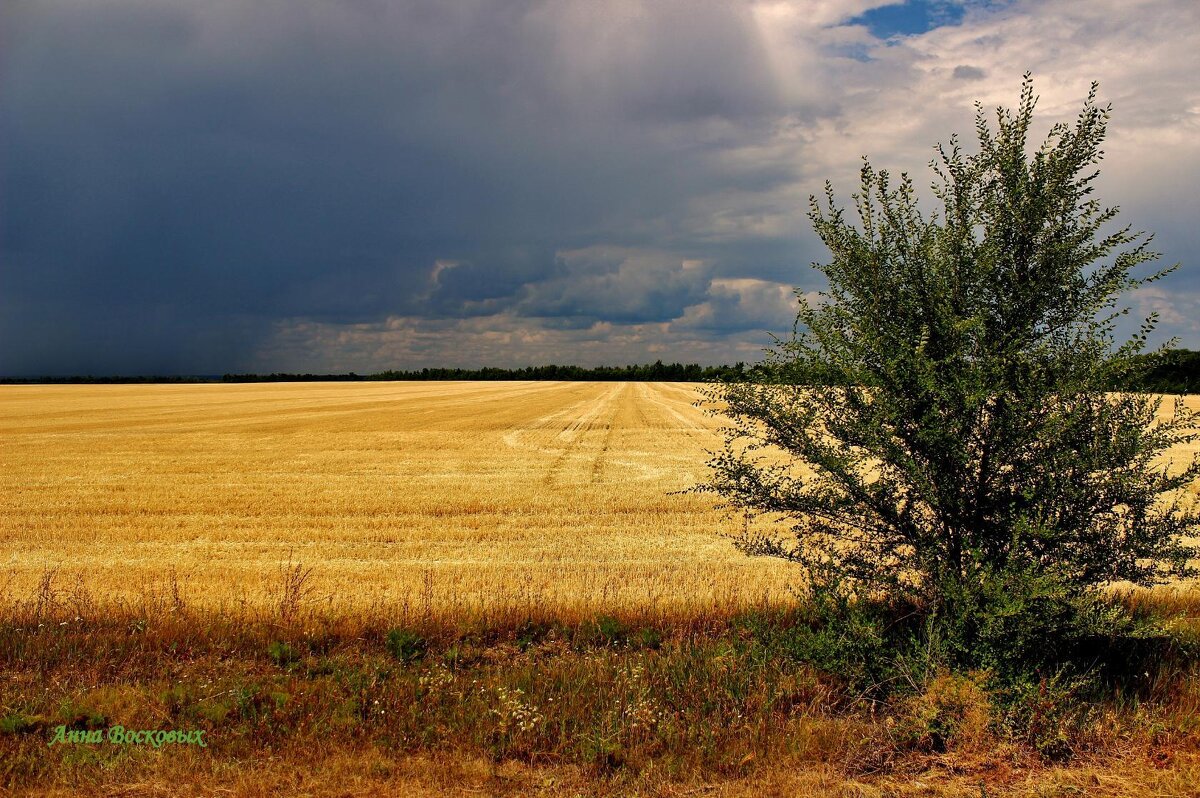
312	186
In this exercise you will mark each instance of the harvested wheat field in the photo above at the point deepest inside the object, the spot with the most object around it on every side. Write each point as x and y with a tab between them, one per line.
450	495
433	496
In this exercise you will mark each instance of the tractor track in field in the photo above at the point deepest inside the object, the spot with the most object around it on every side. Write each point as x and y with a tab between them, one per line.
579	440
574	436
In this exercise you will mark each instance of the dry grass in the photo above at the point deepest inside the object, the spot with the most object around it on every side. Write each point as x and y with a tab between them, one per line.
329	706
374	773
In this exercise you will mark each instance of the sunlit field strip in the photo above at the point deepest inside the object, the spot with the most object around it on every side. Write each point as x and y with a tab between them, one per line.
444	496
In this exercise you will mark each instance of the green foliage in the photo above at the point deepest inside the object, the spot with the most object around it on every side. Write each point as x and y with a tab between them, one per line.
406	645
1045	713
649	638
282	654
18	723
1020	622
78	716
1019	630
845	637
532	632
610	630
1168	371
939	430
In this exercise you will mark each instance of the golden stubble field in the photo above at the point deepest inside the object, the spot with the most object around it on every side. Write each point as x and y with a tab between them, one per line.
427	494
432	496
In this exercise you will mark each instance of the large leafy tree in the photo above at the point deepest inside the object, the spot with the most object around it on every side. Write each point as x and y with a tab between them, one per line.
944	413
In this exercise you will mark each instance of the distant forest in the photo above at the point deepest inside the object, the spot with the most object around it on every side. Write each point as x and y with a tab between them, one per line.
651	372
1173	371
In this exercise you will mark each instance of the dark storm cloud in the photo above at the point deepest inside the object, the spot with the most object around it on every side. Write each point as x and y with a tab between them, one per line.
617	285
968	72
203	187
173	169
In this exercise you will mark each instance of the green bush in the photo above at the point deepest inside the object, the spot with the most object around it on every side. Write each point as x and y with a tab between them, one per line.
17	723
844	637
282	654
1023	627
406	645
650	638
610	630
531	633
1026	624
1045	713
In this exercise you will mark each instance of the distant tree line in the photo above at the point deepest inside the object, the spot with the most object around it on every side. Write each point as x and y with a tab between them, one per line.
652	372
1174	371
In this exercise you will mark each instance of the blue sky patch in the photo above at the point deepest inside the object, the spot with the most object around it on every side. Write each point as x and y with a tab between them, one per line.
908	19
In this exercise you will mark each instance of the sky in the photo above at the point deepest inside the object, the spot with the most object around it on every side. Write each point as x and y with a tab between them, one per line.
358	185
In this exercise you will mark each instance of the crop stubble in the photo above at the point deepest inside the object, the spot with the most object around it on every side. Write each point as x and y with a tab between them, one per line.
443	496
455	495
